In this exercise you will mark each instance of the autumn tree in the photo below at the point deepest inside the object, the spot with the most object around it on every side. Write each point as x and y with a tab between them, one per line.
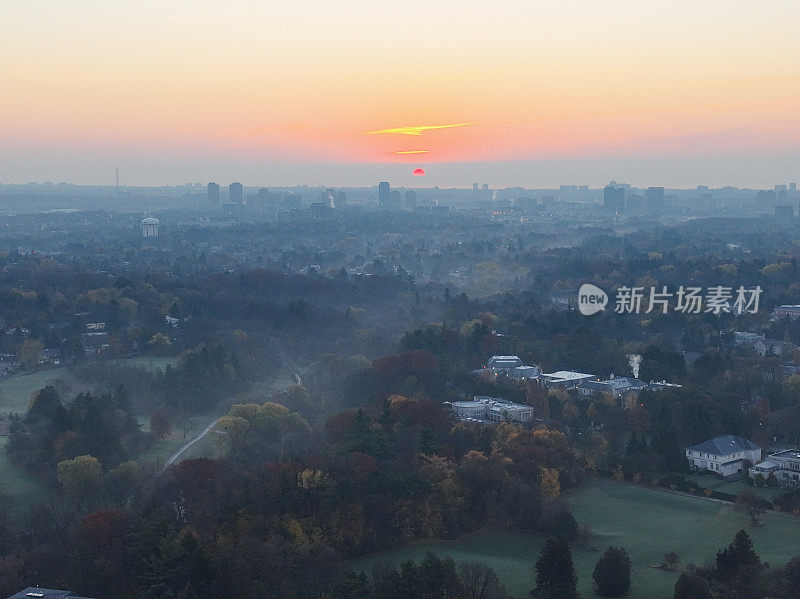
80	477
30	353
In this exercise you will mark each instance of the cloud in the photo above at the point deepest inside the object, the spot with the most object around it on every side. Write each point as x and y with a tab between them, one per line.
410	152
414	129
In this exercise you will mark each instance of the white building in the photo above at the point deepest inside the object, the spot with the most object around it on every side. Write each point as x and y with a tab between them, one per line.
785	465
150	227
525	372
617	386
786	311
504	362
565	378
782	349
492	409
746	338
727	455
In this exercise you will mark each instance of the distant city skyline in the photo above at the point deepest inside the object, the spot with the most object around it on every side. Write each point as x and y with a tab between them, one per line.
528	94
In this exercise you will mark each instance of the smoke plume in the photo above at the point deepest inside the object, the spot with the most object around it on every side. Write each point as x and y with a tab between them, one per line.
635	361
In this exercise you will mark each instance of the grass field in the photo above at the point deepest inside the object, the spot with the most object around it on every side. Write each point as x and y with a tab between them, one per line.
18	483
709	481
647	522
164	448
16	391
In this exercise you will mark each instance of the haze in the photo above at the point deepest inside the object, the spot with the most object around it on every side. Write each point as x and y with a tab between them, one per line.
349	93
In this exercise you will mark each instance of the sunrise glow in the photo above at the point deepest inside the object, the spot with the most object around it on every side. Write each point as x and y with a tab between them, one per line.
639	83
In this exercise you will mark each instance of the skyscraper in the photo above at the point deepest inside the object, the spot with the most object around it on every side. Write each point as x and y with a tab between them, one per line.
384	194
213	194
411	199
614	198
654	200
235	193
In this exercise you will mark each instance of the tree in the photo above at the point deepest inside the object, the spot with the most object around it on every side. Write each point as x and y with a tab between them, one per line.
80	477
563	524
752	504
691	586
160	425
612	574
555	576
737	558
159	343
479	581
669	561
30	352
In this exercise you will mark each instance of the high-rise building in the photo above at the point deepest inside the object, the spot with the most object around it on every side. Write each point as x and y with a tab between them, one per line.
474	187
614	198
235	193
327	197
213	194
291	201
384	194
654	200
411	199
395	200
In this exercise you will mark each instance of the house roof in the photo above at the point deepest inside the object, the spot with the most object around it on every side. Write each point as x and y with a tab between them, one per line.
616	385
31	592
725	445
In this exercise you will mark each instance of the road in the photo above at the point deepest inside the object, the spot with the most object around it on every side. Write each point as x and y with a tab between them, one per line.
173	458
185	446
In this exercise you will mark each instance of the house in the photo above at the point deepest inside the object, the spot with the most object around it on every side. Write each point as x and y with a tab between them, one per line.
782	349
504	362
40	593
616	386
525	372
726	455
565	379
52	356
785	465
492	409
746	338
786	311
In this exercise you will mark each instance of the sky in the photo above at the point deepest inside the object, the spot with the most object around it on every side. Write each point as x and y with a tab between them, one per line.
535	93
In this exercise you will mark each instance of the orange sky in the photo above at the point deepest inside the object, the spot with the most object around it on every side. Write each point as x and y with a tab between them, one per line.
313	82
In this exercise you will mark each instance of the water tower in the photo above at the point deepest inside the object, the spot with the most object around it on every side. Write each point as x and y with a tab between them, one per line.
149	227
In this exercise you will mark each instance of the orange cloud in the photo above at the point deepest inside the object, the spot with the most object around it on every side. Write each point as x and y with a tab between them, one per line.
411	152
414	129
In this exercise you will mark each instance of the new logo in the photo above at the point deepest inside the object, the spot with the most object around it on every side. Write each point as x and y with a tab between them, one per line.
591	299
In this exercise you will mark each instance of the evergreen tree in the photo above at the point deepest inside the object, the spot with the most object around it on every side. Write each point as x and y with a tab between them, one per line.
555	572
691	586
737	558
612	574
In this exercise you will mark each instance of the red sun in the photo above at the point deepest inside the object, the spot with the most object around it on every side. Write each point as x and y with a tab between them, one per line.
418	172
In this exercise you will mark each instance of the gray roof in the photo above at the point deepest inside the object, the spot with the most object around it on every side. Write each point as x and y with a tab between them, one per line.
725	445
32	592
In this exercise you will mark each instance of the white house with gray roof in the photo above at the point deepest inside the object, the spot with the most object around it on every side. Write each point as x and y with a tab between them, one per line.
727	455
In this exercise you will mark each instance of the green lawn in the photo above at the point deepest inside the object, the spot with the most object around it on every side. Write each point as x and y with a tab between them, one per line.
16	391
163	449
647	522
709	481
18	483
150	363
